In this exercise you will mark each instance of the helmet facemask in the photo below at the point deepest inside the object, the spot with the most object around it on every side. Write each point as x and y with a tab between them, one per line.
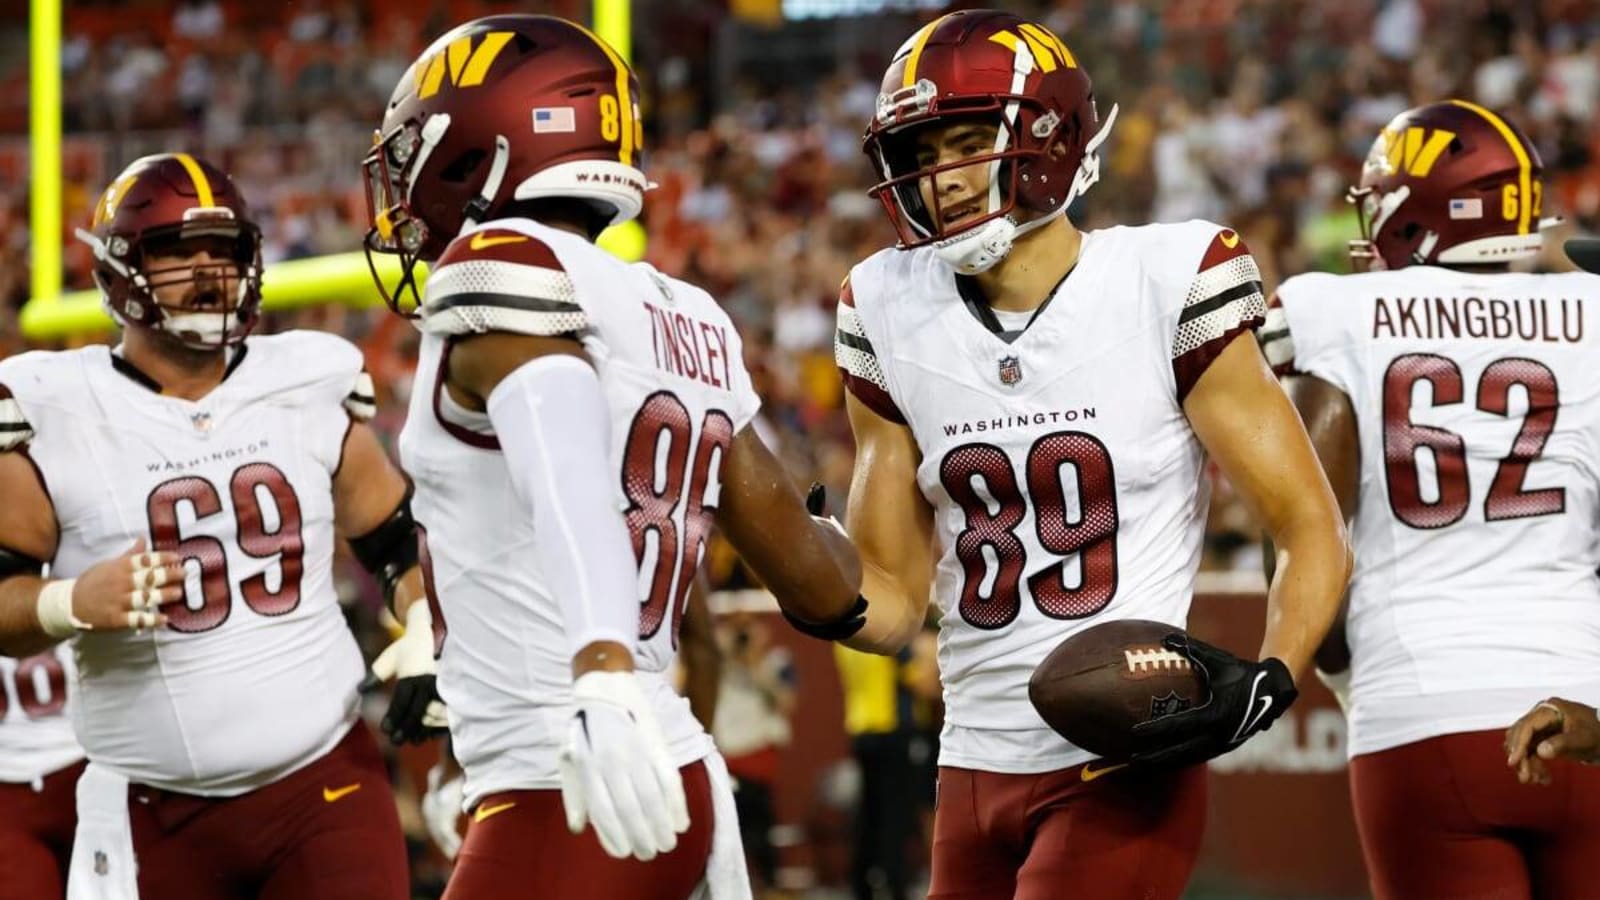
390	169
204	306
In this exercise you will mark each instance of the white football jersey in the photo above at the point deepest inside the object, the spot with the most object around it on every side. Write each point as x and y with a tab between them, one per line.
671	367
1067	486
256	674
1477	402
35	728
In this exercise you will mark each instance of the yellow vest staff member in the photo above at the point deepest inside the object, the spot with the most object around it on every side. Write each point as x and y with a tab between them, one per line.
878	717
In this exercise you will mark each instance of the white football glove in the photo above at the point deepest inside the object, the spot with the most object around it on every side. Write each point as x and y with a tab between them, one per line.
415	713
615	771
441	811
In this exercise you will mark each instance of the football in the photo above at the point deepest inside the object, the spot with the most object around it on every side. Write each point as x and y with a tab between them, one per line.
1101	682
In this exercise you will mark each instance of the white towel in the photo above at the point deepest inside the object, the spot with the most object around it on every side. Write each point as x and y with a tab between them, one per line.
103	865
726	875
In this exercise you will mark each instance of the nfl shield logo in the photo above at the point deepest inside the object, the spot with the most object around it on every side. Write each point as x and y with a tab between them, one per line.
201	422
1010	370
102	865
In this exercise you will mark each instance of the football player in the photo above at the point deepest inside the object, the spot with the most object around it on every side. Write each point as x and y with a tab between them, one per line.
40	762
1043	401
1453	403
576	427
216	689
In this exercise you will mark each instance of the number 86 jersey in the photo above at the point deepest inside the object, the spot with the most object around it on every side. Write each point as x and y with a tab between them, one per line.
1067	487
671	368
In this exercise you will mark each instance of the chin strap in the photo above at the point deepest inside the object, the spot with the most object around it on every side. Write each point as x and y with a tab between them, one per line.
480	205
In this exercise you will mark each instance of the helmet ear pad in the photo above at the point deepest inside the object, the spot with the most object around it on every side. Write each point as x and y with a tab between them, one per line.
1041	175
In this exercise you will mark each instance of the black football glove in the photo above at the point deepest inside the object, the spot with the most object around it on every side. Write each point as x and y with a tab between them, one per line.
1244	698
415	711
852	620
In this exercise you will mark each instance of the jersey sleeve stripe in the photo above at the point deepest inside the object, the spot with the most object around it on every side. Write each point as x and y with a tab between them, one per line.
1276	341
362	401
858	363
1217	301
14	427
1201	339
509	301
1220	278
484	276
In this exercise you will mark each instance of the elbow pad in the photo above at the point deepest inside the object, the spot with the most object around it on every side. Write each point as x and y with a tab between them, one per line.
390	550
14	563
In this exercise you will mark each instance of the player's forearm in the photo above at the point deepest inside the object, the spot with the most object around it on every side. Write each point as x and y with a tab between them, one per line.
1313	566
895	612
21	635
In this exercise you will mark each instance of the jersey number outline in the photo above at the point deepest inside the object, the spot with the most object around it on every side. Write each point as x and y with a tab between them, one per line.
1402	438
655	487
992	523
33	706
286	543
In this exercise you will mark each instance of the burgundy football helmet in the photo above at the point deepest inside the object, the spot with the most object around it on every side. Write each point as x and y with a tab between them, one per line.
1448	183
173	204
998	68
500	109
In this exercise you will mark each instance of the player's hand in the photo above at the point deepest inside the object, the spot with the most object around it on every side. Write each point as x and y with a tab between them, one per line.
441	811
615	771
1553	729
845	624
1244	698
127	591
415	711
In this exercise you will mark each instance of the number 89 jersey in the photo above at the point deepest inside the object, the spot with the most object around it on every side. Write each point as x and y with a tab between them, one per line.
1477	404
1067	487
671	368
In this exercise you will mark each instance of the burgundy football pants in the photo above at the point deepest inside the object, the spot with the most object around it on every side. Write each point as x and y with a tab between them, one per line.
1445	817
518	848
326	832
1123	835
36	836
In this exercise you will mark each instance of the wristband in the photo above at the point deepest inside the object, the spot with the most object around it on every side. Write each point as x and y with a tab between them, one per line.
54	610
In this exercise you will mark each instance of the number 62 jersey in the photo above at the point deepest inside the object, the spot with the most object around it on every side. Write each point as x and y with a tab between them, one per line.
1477	403
1067	486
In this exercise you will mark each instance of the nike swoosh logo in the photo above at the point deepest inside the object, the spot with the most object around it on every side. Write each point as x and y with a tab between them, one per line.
481	241
1229	239
1251	720
1088	774
331	795
485	812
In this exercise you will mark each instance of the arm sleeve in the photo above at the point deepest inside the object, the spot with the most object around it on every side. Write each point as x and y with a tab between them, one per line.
501	280
580	539
858	361
15	430
1223	301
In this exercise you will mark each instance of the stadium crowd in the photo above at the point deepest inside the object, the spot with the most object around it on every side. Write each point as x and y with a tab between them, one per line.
1254	113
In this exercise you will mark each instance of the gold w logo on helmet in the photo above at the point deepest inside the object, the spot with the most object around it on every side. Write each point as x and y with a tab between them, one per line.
1415	150
1046	49
465	65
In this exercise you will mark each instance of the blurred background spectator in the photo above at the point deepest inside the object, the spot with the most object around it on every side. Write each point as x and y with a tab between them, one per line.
754	704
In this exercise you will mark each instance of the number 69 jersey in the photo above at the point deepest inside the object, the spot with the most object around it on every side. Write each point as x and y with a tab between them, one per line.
1067	486
255	674
1477	401
671	368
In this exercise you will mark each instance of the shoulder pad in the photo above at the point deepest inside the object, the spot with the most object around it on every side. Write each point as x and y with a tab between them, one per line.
499	279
